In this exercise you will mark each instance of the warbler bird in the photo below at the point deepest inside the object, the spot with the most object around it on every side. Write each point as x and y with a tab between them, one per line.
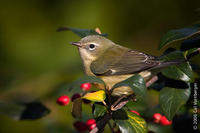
114	63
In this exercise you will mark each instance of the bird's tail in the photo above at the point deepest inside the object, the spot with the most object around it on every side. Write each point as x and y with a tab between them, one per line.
169	63
178	61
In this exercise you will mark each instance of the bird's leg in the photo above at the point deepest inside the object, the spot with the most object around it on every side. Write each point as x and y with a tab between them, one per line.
151	81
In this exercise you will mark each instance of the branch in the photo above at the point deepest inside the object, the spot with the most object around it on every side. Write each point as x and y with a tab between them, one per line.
117	102
152	80
121	102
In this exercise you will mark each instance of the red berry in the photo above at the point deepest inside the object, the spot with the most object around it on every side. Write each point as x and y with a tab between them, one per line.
75	96
92	126
80	126
63	100
133	111
157	117
164	121
90	121
85	86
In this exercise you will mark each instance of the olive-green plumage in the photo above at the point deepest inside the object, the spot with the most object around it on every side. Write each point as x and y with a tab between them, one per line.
114	63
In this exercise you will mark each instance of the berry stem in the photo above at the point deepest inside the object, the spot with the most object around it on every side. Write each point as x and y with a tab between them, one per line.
104	103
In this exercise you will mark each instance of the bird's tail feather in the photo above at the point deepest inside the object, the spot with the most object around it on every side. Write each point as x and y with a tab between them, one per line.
178	61
169	63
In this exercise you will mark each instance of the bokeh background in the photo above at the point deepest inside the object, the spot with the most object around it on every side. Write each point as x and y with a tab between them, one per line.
35	59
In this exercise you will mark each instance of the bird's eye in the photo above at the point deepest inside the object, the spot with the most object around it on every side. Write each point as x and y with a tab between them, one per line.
91	47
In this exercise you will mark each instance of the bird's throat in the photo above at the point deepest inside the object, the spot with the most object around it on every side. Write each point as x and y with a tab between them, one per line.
86	60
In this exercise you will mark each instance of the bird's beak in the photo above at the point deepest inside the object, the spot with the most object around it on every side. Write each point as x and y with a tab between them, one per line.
78	44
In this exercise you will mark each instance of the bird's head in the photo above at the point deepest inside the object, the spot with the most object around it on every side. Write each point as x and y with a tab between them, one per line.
93	46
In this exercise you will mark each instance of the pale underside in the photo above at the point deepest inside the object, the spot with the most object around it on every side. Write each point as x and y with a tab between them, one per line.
124	90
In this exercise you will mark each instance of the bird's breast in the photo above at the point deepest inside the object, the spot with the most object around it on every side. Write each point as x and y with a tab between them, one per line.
110	81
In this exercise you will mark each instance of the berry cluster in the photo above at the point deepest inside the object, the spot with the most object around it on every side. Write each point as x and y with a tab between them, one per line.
82	127
65	100
160	119
157	118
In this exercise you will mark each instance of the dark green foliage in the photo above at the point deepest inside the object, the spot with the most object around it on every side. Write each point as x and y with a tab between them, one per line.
129	122
179	35
98	110
171	99
182	71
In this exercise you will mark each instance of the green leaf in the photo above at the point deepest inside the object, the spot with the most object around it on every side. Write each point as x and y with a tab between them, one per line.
171	99
182	71
136	83
28	111
138	105
98	110
129	122
179	35
98	96
191	53
81	32
86	79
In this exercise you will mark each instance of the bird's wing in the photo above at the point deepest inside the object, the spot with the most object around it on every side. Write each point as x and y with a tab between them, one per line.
128	62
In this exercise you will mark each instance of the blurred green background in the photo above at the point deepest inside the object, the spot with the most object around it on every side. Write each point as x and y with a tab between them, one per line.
35	59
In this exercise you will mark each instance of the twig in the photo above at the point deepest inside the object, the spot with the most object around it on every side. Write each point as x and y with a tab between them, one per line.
119	105
152	80
122	103
117	102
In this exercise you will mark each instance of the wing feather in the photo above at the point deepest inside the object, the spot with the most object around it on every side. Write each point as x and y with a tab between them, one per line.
127	62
